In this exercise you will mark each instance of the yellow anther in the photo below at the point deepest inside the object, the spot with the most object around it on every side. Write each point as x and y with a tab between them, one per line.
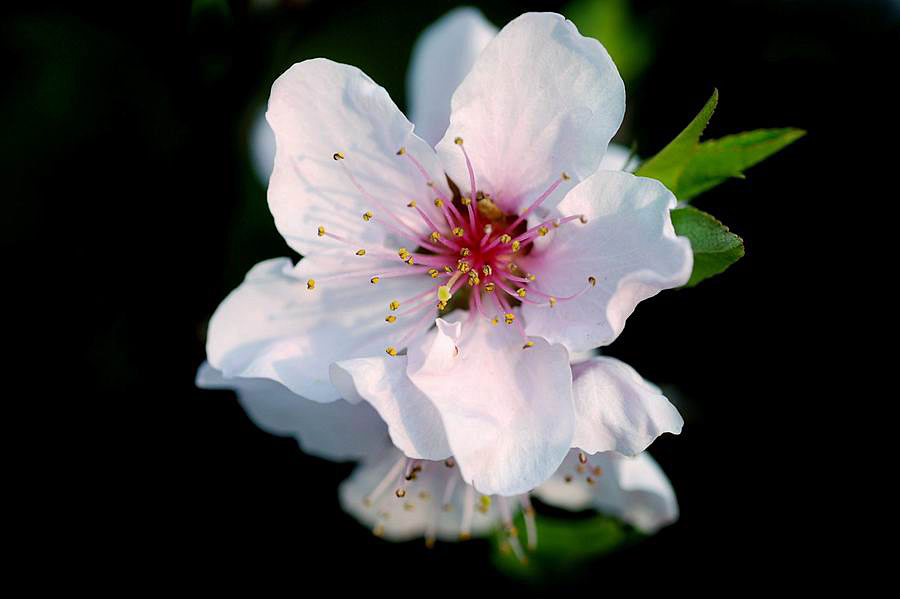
338	155
463	266
410	261
473	281
465	200
489	287
360	252
458	141
412	204
390	318
433	272
495	320
531	277
583	219
402	252
394	305
374	280
520	292
321	231
444	294
400	492
487	270
458	231
311	284
565	176
509	318
439	202
592	281
515	246
442	306
543	230
485	501
465	252
556	224
552	301
513	267
391	351
367	216
528	344
435	236
401	151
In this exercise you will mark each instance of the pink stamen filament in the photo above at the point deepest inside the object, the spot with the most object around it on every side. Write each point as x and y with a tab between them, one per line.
417	240
536	203
553	222
425	176
381	206
417	328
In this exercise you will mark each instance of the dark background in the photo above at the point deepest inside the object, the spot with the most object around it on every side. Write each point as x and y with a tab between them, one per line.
131	209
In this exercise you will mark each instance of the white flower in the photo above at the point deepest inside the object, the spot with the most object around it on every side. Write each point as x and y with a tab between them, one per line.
389	244
401	499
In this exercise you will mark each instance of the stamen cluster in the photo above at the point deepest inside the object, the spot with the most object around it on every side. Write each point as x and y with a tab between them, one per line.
472	247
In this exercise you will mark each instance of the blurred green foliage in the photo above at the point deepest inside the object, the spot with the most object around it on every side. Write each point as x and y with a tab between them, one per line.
564	546
688	168
627	40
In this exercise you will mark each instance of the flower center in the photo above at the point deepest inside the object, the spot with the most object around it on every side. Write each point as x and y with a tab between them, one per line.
471	252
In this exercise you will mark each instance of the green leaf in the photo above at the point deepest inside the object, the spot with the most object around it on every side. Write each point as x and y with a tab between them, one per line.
612	22
718	159
670	163
715	247
563	546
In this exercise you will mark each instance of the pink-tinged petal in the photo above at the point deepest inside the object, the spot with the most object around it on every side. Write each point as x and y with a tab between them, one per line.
427	509
633	489
628	245
273	326
335	431
617	410
413	422
507	411
540	100
442	57
318	108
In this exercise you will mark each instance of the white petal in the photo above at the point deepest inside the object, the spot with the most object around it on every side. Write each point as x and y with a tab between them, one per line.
318	108
442	57
541	99
617	410
422	510
262	147
273	327
413	422
628	245
616	159
648	500
334	431
507	411
633	489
